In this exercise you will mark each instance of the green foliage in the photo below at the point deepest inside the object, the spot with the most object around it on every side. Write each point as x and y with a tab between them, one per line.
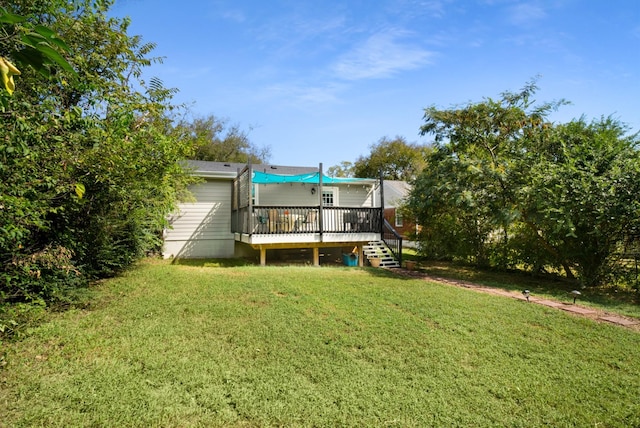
344	169
395	159
29	44
586	182
506	188
39	275
215	141
88	165
16	319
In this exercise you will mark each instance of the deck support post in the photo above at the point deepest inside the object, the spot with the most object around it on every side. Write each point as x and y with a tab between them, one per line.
316	256
263	256
360	250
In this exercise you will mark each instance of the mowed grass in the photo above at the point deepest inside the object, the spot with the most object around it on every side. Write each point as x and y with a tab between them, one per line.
623	300
185	346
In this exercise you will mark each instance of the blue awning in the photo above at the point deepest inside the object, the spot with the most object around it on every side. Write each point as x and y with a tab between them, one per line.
311	178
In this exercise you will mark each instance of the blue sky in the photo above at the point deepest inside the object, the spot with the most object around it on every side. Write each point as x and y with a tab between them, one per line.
320	81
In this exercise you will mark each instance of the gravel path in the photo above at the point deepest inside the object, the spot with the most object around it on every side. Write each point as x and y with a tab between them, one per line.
596	314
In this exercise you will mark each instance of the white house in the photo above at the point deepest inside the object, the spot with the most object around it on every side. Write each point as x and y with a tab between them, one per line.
243	210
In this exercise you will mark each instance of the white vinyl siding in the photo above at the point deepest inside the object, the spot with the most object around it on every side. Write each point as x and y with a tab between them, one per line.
298	194
288	194
355	195
203	228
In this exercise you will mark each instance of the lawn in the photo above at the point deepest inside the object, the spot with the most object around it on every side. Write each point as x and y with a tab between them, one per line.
175	345
622	299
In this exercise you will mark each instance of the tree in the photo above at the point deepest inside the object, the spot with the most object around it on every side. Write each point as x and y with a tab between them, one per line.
344	169
88	165
505	187
397	159
215	140
474	169
34	45
584	193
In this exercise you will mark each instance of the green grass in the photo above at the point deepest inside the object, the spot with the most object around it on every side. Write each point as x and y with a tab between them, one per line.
616	299
177	345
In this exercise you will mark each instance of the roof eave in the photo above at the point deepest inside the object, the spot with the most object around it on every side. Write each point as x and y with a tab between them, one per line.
230	175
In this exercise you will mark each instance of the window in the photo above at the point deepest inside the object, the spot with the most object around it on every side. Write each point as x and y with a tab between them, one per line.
329	196
398	219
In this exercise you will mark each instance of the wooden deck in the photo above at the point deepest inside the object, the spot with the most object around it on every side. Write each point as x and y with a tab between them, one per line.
315	227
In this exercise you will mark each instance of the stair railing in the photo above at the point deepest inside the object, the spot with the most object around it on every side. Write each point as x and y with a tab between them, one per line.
392	240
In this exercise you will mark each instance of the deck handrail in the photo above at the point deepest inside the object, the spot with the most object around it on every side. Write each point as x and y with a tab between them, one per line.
393	240
278	219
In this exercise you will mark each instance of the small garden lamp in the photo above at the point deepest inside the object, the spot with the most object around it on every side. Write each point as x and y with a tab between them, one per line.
526	294
575	293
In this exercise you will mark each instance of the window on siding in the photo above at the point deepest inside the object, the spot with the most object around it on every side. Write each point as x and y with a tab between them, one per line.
398	219
329	197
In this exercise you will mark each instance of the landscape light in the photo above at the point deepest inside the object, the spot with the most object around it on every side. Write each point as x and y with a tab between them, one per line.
575	293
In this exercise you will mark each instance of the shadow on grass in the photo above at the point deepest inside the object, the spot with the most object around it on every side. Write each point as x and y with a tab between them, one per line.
212	262
624	300
237	262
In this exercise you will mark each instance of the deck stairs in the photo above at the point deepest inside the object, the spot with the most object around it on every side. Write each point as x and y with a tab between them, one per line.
379	250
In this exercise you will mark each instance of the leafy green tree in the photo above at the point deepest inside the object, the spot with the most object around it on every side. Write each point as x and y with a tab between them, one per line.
344	169
583	194
453	213
505	187
472	173
34	45
87	161
30	195
215	140
396	159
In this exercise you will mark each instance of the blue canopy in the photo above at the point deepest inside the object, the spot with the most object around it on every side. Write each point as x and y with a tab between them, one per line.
311	178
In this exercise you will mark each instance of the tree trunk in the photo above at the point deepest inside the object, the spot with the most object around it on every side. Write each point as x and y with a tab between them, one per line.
552	250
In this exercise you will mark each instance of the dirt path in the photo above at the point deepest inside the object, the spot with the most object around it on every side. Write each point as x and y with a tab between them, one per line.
595	314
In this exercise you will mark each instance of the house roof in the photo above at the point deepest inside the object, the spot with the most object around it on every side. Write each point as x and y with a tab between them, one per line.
231	169
395	192
266	173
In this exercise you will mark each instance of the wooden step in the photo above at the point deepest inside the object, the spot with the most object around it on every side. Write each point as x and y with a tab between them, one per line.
378	250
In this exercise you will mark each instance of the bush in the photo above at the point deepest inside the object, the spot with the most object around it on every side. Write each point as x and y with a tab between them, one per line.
13	318
45	274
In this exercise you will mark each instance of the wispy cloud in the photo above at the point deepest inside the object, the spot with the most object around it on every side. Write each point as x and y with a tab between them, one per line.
299	93
526	13
435	8
234	15
298	29
381	55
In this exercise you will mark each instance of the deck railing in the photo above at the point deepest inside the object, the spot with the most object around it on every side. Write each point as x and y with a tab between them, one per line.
261	219
393	240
